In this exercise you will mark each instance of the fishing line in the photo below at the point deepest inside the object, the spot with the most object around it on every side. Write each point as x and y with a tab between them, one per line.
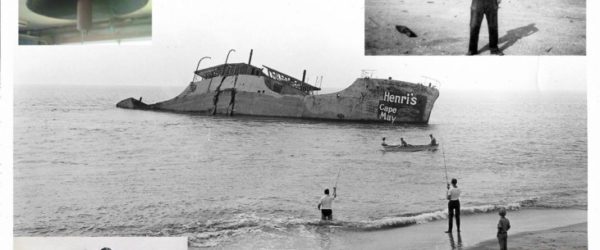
444	157
402	131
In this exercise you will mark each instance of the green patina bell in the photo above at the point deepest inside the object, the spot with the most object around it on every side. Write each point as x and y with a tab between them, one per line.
101	9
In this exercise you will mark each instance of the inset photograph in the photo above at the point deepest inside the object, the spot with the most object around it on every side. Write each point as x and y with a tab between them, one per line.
52	22
480	27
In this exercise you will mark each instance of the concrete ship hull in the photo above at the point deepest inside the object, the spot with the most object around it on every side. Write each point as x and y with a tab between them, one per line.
366	100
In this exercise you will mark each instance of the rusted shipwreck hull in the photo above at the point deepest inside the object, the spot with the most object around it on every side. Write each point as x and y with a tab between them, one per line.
243	89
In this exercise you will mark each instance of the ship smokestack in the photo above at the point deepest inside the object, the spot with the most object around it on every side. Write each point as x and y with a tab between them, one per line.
303	75
250	59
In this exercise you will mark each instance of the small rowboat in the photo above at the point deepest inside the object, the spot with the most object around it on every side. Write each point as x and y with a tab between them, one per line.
410	148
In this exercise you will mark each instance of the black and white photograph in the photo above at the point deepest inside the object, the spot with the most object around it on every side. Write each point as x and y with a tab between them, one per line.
269	125
475	27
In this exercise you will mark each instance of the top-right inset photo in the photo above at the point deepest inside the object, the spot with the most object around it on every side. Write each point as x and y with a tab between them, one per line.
475	27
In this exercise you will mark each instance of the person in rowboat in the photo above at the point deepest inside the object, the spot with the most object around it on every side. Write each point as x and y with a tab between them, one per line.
383	142
433	141
404	144
325	205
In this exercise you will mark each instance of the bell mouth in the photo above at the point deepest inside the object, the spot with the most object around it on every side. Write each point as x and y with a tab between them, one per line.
101	9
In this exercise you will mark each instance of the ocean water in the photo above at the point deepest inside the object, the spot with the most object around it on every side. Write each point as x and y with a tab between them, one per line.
83	167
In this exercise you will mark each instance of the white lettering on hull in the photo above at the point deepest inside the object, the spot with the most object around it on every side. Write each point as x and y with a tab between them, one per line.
408	99
394	104
387	117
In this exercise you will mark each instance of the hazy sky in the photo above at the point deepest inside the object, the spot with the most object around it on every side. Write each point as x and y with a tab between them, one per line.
324	37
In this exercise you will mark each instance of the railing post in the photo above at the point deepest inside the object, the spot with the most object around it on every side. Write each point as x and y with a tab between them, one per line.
198	66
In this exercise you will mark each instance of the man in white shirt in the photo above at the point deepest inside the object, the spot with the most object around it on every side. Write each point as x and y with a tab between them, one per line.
453	205
383	142
325	204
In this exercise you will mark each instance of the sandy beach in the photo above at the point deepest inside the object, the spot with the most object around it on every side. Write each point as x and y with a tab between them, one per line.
534	27
569	237
551	226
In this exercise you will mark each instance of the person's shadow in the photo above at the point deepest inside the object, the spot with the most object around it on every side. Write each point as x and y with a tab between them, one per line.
455	245
512	36
325	234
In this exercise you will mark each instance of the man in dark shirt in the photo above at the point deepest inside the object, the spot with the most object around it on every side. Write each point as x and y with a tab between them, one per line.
433	141
503	226
489	8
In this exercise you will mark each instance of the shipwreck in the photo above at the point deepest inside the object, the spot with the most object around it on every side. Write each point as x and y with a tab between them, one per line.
243	89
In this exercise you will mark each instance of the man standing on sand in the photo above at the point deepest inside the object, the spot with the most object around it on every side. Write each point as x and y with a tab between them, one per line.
503	226
325	205
453	205
489	8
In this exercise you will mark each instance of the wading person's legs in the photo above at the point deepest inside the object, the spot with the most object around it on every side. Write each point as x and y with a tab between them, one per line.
327	214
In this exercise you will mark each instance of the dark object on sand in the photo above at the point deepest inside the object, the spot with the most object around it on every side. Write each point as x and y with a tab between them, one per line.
405	30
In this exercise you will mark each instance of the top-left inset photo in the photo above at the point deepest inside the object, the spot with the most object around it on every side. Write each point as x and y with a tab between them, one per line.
56	22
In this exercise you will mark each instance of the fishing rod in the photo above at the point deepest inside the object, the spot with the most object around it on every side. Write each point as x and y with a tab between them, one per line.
338	177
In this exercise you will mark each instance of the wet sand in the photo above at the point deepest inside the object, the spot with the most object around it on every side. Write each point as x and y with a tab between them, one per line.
532	27
475	229
569	237
551	227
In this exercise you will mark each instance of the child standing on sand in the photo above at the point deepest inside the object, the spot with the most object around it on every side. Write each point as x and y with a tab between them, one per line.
503	226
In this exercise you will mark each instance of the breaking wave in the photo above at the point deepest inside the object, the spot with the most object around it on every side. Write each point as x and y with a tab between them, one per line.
215	233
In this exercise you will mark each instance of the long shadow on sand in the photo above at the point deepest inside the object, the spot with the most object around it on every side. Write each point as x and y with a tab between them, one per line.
455	245
512	36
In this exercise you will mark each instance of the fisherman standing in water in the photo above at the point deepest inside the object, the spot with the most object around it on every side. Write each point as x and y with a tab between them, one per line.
325	204
453	205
